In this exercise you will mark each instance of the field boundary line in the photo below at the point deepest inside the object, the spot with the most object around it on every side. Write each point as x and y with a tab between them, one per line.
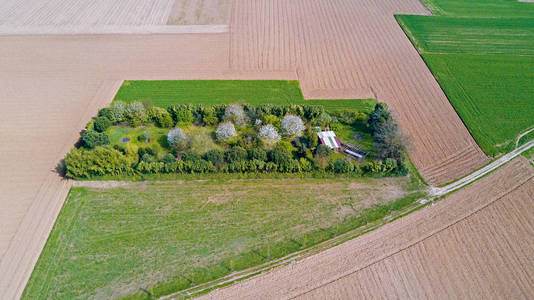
470	178
111	29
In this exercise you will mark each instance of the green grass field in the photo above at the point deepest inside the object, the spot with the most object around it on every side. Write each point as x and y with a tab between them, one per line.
480	8
482	55
167	236
166	92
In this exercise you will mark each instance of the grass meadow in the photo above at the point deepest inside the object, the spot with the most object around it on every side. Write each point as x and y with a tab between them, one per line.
163	93
483	58
148	239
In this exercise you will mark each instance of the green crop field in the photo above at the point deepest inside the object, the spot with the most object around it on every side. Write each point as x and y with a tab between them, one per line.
166	92
482	54
160	237
480	8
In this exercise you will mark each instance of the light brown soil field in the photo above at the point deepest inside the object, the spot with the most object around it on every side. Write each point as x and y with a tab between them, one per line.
199	12
34	13
475	243
50	86
356	49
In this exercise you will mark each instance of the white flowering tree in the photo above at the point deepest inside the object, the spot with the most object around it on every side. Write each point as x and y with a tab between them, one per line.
235	113
178	139
292	126
118	109
225	131
268	134
135	112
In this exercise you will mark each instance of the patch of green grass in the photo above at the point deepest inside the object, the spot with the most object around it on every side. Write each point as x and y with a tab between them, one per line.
526	138
481	8
157	135
163	93
511	36
167	236
529	154
484	64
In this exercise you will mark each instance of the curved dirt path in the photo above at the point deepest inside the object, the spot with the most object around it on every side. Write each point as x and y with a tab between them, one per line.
522	135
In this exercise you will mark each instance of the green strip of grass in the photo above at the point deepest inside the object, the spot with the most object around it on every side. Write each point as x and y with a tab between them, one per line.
164	237
163	93
481	8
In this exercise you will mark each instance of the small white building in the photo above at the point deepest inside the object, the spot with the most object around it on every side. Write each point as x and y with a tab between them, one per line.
329	139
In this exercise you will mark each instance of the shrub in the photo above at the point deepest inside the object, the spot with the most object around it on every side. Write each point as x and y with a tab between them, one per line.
322	120
279	155
269	135
201	141
236	154
191	156
225	131
144	137
235	113
257	154
272	119
168	158
388	141
292	126
181	114
91	139
208	116
322	156
311	138
161	117
81	163
313	111
118	111
178	139
147	158
101	124
135	114
286	146
106	112
216	157
305	165
342	166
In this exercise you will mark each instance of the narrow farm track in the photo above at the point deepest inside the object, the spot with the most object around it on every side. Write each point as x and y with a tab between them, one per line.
356	49
476	242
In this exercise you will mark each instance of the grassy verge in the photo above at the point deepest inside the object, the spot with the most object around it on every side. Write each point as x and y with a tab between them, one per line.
163	93
152	239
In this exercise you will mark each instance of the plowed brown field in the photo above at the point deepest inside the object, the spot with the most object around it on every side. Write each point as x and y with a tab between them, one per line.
356	49
475	243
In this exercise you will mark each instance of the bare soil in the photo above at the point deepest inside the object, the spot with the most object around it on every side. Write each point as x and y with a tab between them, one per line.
199	12
474	243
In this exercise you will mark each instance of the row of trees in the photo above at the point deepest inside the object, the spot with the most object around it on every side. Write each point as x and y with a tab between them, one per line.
116	162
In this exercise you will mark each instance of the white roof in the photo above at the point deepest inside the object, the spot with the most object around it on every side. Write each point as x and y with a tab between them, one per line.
329	139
